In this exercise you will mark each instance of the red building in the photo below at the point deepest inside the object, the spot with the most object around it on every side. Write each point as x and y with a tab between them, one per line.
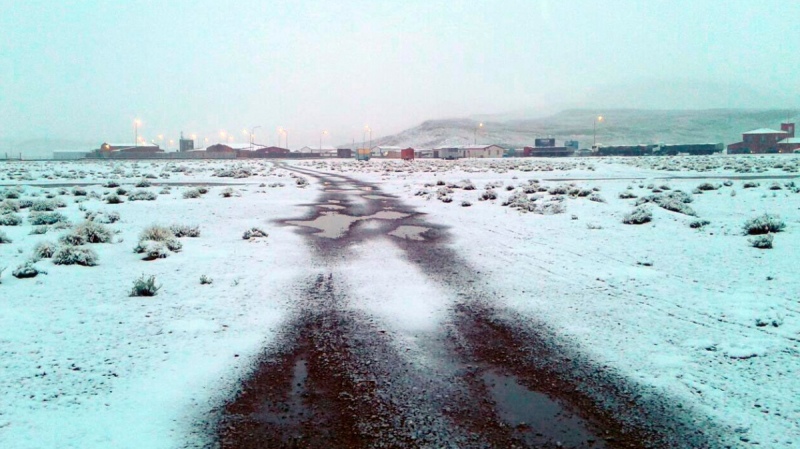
763	141
407	154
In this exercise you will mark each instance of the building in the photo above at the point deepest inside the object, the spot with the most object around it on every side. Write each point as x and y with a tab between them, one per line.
344	153
407	154
547	151
271	152
185	144
129	148
762	141
692	149
219	148
548	142
70	155
382	151
789	145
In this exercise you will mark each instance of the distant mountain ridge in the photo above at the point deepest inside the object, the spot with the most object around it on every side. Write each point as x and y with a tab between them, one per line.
618	126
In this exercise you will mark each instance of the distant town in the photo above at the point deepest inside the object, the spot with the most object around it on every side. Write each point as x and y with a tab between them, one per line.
758	141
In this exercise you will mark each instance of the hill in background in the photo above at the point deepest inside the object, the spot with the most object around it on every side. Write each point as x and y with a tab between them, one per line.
619	126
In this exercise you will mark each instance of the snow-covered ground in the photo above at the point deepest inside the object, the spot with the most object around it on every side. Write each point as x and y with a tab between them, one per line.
696	313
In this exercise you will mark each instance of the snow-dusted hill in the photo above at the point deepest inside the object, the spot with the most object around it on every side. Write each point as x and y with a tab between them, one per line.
619	126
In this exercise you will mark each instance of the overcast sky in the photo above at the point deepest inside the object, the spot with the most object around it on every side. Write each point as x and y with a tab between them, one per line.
86	69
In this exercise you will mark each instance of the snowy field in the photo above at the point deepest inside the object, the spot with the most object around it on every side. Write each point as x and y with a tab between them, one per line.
682	304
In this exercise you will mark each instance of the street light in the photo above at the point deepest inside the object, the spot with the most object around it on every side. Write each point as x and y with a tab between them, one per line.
367	129
285	132
252	136
222	135
475	138
320	140
594	129
136	124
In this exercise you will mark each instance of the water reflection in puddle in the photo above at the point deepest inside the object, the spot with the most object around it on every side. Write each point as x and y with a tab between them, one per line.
334	225
410	232
538	419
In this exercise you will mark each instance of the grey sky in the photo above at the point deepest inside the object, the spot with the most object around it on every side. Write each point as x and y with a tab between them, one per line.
86	69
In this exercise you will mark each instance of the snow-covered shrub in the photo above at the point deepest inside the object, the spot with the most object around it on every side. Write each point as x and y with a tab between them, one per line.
466	184
144	182
727	183
44	205
10	194
627	195
72	239
4	238
145	286
92	232
675	205
151	249
46	218
73	255
113	198
25	204
165	191
78	191
750	185
550	208
640	215
8	206
707	186
775	186
558	190
762	241
10	219
203	190
121	191
111	184
228	192
185	230
596	198
301	181
157	233
446	199
174	245
205	280
764	224
488	194
697	224
253	233
38	230
108	217
142	195
44	250
26	270
191	193
466	204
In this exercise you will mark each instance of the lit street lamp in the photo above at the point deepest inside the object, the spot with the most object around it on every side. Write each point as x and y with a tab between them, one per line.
253	136
367	129
285	132
136	124
594	129
475	137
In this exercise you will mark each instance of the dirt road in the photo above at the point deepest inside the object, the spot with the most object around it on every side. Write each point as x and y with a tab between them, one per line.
337	378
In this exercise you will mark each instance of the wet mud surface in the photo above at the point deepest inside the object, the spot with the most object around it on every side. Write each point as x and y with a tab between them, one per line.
337	378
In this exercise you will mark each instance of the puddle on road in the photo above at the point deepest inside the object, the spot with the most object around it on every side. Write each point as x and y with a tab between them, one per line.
535	417
293	411
410	232
331	206
334	225
377	197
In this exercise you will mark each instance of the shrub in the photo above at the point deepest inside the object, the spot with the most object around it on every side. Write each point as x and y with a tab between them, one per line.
121	191
466	204
596	198
727	183
764	224
44	205
93	232
26	270
72	239
587	192
72	255
11	194
205	280
174	245
144	182
113	199
627	195
253	233
488	194
203	190
111	184
191	193
707	186
145	286
750	184
550	208
157	233
151	249
301	182
185	230
4	238
25	204
10	219
109	217
9	206
775	186
78	191
697	224
38	230
466	184
142	195
44	250
558	190
761	241
46	218
640	215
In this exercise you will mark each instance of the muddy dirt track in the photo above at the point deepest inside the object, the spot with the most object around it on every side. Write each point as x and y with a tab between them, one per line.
337	378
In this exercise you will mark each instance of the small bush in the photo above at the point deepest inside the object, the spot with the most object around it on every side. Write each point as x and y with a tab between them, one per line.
203	190
4	238
466	184
156	233
144	182
750	185
558	190
151	249
46	218
697	224
121	191
596	198
550	208
775	186
706	186
191	193
108	217
253	233
79	191
185	230
762	241
44	250
27	270
93	232
9	206
72	255
174	245
205	280
111	184
72	239
301	182
10	220
488	194
626	195
764	224
113	199
38	230
145	286
466	204
44	205
638	216
142	195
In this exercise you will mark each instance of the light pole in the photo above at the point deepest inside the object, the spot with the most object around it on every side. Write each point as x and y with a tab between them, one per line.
222	136
367	129
285	132
136	123
252	135
475	138
320	140
194	139
594	129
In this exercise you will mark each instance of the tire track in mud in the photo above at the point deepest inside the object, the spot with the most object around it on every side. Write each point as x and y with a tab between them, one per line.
337	379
